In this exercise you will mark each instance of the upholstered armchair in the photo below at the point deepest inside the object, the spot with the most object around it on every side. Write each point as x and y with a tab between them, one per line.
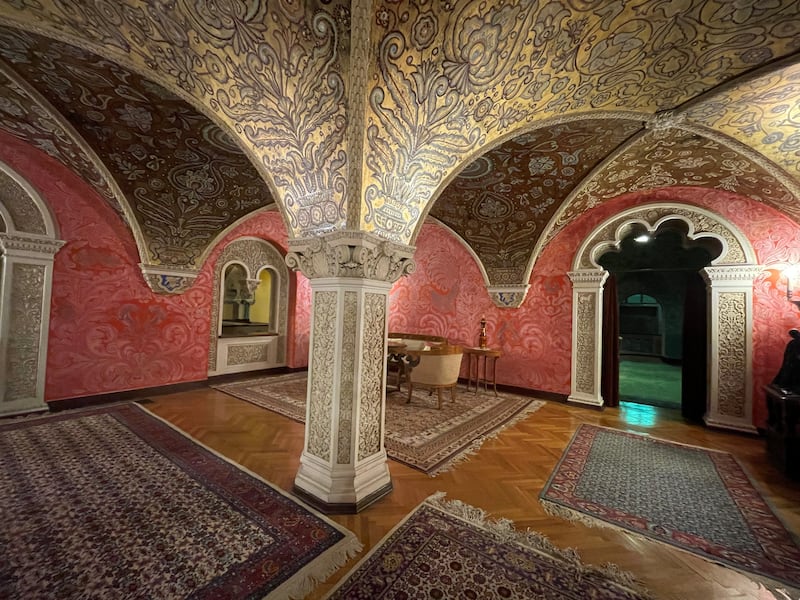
437	369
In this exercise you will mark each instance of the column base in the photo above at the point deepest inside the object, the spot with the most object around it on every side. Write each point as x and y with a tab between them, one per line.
342	488
735	425
585	399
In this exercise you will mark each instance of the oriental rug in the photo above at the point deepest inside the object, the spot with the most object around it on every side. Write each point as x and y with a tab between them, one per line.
448	549
417	434
114	502
699	500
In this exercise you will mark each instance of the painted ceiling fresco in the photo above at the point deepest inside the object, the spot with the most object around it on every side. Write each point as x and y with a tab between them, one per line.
502	202
184	179
370	115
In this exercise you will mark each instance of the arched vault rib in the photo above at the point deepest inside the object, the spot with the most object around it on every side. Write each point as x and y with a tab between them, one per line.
82	158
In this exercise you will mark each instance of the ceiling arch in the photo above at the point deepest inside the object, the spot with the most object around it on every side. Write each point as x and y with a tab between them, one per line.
182	177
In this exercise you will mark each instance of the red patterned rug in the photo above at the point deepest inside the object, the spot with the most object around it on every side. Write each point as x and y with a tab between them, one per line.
695	499
116	503
448	549
418	434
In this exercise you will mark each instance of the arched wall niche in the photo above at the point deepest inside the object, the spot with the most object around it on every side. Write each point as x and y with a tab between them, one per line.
235	354
729	285
28	244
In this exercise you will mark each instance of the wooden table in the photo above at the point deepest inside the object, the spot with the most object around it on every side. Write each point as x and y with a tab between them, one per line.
489	355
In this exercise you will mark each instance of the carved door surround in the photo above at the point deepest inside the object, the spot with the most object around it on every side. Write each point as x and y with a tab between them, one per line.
234	355
729	281
28	244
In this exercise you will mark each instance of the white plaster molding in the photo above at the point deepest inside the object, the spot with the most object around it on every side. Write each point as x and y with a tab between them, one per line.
168	280
344	460
508	296
587	324
355	254
730	346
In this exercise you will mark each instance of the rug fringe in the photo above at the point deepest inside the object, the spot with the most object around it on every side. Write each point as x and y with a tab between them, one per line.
302	583
504	530
557	510
475	445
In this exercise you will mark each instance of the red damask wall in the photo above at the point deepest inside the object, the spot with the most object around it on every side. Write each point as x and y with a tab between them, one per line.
446	295
108	331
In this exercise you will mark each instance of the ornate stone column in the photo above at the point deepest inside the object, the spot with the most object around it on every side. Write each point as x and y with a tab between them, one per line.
587	331
26	272
343	466
730	346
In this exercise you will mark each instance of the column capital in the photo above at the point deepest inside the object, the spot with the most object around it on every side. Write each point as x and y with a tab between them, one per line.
356	254
588	278
731	274
29	244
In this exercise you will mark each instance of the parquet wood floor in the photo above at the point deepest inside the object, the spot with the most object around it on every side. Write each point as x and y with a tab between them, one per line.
504	479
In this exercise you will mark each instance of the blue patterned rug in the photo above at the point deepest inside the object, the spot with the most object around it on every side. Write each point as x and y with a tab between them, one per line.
699	500
448	549
116	503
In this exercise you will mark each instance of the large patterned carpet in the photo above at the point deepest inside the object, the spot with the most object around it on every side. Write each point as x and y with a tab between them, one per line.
699	500
418	434
115	503
448	549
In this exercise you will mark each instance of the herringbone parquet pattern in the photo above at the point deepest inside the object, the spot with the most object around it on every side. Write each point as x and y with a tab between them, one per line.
504	479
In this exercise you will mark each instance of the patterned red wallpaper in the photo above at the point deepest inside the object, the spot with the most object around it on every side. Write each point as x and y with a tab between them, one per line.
108	331
446	294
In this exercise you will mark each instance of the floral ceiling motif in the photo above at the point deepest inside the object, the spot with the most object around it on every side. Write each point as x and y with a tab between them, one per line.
458	76
24	117
271	70
441	82
673	157
184	179
763	112
501	203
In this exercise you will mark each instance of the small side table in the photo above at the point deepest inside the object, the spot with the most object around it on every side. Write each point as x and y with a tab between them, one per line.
482	357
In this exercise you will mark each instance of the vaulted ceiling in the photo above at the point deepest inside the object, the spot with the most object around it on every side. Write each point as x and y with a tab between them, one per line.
515	117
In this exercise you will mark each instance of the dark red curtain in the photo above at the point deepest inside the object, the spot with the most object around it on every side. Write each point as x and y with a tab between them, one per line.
695	347
609	381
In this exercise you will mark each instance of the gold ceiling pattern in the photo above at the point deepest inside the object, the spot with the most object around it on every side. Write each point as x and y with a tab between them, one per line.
501	202
269	71
454	78
763	112
25	118
673	157
173	165
444	82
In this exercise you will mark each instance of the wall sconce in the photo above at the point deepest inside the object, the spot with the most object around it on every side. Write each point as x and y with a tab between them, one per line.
792	275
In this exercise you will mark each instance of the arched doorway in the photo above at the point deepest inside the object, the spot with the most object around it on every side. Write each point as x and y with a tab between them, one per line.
655	275
729	289
249	311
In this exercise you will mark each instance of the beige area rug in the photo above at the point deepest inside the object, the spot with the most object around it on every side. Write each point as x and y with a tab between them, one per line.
417	434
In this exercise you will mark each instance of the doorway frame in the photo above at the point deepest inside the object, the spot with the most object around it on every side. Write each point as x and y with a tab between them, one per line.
729	285
28	244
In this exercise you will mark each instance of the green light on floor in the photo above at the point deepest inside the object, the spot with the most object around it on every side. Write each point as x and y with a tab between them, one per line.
638	414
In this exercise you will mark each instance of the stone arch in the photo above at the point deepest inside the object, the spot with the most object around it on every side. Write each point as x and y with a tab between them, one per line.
729	284
28	244
237	354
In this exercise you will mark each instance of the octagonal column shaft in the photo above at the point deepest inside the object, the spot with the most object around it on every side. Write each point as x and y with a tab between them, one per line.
343	467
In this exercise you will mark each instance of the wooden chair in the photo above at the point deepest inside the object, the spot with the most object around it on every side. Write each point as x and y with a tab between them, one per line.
438	369
397	362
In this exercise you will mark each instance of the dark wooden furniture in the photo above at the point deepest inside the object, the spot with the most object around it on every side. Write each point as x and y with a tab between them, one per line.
485	357
783	430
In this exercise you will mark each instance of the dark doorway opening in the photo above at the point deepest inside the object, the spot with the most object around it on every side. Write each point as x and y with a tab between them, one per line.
660	317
